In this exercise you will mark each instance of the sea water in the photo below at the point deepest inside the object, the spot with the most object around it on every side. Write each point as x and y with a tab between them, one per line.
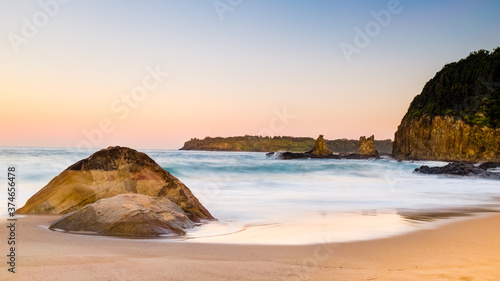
263	200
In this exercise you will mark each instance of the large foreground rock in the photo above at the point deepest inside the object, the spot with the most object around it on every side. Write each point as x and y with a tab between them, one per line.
107	173
127	215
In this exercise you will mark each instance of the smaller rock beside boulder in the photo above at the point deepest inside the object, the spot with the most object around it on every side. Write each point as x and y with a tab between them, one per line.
458	169
127	215
107	173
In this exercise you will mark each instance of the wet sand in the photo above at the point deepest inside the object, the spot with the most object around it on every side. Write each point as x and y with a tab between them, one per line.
464	250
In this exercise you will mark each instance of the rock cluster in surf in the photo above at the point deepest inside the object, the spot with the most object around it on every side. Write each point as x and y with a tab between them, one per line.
320	151
462	169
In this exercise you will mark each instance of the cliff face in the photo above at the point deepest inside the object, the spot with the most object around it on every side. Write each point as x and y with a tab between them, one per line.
446	138
457	115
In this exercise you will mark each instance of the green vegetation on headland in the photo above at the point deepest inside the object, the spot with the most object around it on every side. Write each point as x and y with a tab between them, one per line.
277	143
457	115
468	90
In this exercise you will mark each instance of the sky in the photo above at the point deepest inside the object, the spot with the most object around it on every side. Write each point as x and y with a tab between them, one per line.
153	74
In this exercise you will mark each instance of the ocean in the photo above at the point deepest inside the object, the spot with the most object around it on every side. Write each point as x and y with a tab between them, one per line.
262	200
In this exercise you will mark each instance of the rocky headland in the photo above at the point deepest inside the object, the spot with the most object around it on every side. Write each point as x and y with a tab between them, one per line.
109	173
278	143
457	115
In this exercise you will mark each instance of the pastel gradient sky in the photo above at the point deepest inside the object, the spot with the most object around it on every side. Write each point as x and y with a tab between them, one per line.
228	75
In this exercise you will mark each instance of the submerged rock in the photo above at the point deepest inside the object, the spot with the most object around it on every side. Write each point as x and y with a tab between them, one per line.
458	169
359	156
127	215
107	173
305	155
489	165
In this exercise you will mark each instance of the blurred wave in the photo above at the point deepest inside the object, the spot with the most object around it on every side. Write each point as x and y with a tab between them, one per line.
248	188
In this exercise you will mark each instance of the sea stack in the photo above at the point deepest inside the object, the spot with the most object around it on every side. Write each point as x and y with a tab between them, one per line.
319	148
108	173
457	115
367	146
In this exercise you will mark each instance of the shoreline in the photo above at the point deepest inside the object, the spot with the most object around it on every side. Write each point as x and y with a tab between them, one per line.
304	230
464	249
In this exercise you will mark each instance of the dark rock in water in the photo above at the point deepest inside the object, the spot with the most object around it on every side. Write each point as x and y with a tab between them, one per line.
489	165
305	155
459	169
359	156
127	215
107	173
294	155
319	151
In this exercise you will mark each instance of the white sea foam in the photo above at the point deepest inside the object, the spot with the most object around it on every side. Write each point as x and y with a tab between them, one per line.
258	199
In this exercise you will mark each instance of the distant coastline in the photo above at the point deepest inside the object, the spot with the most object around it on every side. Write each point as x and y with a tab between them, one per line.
277	143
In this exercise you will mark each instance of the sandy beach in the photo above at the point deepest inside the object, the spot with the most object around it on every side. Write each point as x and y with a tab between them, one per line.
460	250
